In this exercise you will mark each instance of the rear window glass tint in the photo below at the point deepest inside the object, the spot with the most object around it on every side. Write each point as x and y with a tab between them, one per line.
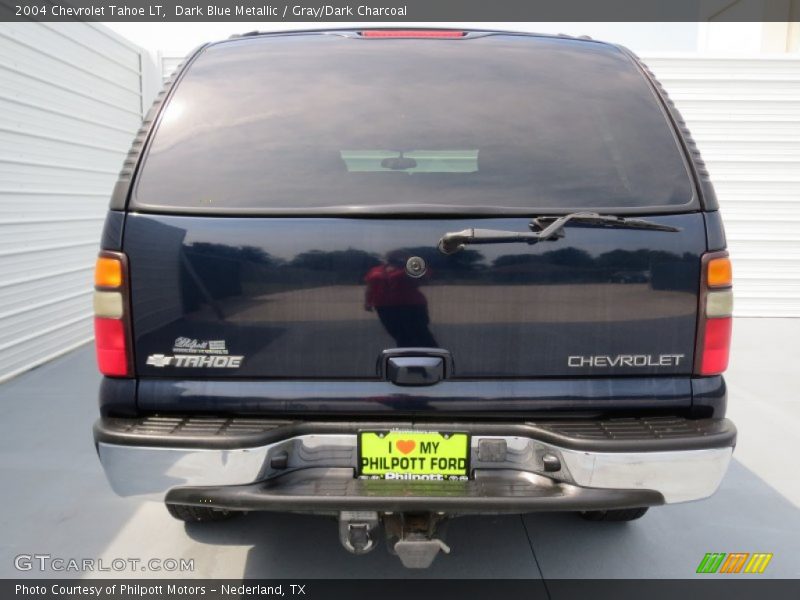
319	121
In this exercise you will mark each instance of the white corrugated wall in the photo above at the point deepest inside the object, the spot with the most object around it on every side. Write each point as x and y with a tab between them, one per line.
745	116
70	103
169	64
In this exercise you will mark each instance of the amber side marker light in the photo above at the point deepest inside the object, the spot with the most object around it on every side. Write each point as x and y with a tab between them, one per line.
111	329
715	319
108	272
719	272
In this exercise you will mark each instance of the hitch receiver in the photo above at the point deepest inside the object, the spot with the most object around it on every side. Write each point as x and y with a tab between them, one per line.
357	530
414	538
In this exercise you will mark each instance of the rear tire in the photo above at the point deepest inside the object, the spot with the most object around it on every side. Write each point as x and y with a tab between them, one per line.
199	514
619	515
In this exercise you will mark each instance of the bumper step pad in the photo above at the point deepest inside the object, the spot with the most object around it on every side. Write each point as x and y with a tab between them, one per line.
335	490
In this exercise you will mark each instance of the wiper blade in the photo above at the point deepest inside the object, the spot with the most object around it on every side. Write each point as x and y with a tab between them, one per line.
543	229
598	220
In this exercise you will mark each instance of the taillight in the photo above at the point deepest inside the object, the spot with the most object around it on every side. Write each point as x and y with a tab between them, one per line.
715	320
111	324
411	33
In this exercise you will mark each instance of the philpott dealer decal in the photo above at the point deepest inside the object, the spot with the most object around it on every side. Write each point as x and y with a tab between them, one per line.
187	345
198	354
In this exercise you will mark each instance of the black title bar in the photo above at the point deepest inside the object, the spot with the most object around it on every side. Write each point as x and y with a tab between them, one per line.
394	10
732	588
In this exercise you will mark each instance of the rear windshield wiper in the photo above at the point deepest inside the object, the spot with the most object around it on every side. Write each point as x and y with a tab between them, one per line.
543	229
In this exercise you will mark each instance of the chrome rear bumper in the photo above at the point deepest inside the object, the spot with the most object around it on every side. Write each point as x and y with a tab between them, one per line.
676	468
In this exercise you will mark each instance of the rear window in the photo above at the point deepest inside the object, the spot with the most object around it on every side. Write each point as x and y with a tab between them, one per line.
317	122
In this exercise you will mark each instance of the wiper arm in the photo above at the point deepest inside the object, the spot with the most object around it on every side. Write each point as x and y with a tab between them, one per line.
542	229
456	240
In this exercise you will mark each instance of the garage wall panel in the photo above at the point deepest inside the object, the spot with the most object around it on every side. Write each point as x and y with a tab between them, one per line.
745	116
169	64
70	103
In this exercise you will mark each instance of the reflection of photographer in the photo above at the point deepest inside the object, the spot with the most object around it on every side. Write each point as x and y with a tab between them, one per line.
401	306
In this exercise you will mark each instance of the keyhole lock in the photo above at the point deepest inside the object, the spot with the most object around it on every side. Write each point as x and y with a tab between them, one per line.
416	267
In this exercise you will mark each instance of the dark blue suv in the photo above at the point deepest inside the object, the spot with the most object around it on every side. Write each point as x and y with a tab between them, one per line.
395	276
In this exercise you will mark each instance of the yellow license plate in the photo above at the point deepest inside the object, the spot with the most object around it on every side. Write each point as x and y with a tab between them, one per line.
413	455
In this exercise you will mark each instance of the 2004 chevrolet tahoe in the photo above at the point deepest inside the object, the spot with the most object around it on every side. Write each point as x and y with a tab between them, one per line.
396	276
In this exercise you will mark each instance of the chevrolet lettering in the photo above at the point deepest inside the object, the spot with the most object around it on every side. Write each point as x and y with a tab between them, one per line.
627	360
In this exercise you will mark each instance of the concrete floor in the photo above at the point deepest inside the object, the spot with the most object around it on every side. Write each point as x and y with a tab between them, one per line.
56	501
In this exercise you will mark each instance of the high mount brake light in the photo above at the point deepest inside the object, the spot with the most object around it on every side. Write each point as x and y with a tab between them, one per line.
411	33
714	322
111	325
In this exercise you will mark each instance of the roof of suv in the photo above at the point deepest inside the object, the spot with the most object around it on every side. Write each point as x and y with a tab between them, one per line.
413	33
